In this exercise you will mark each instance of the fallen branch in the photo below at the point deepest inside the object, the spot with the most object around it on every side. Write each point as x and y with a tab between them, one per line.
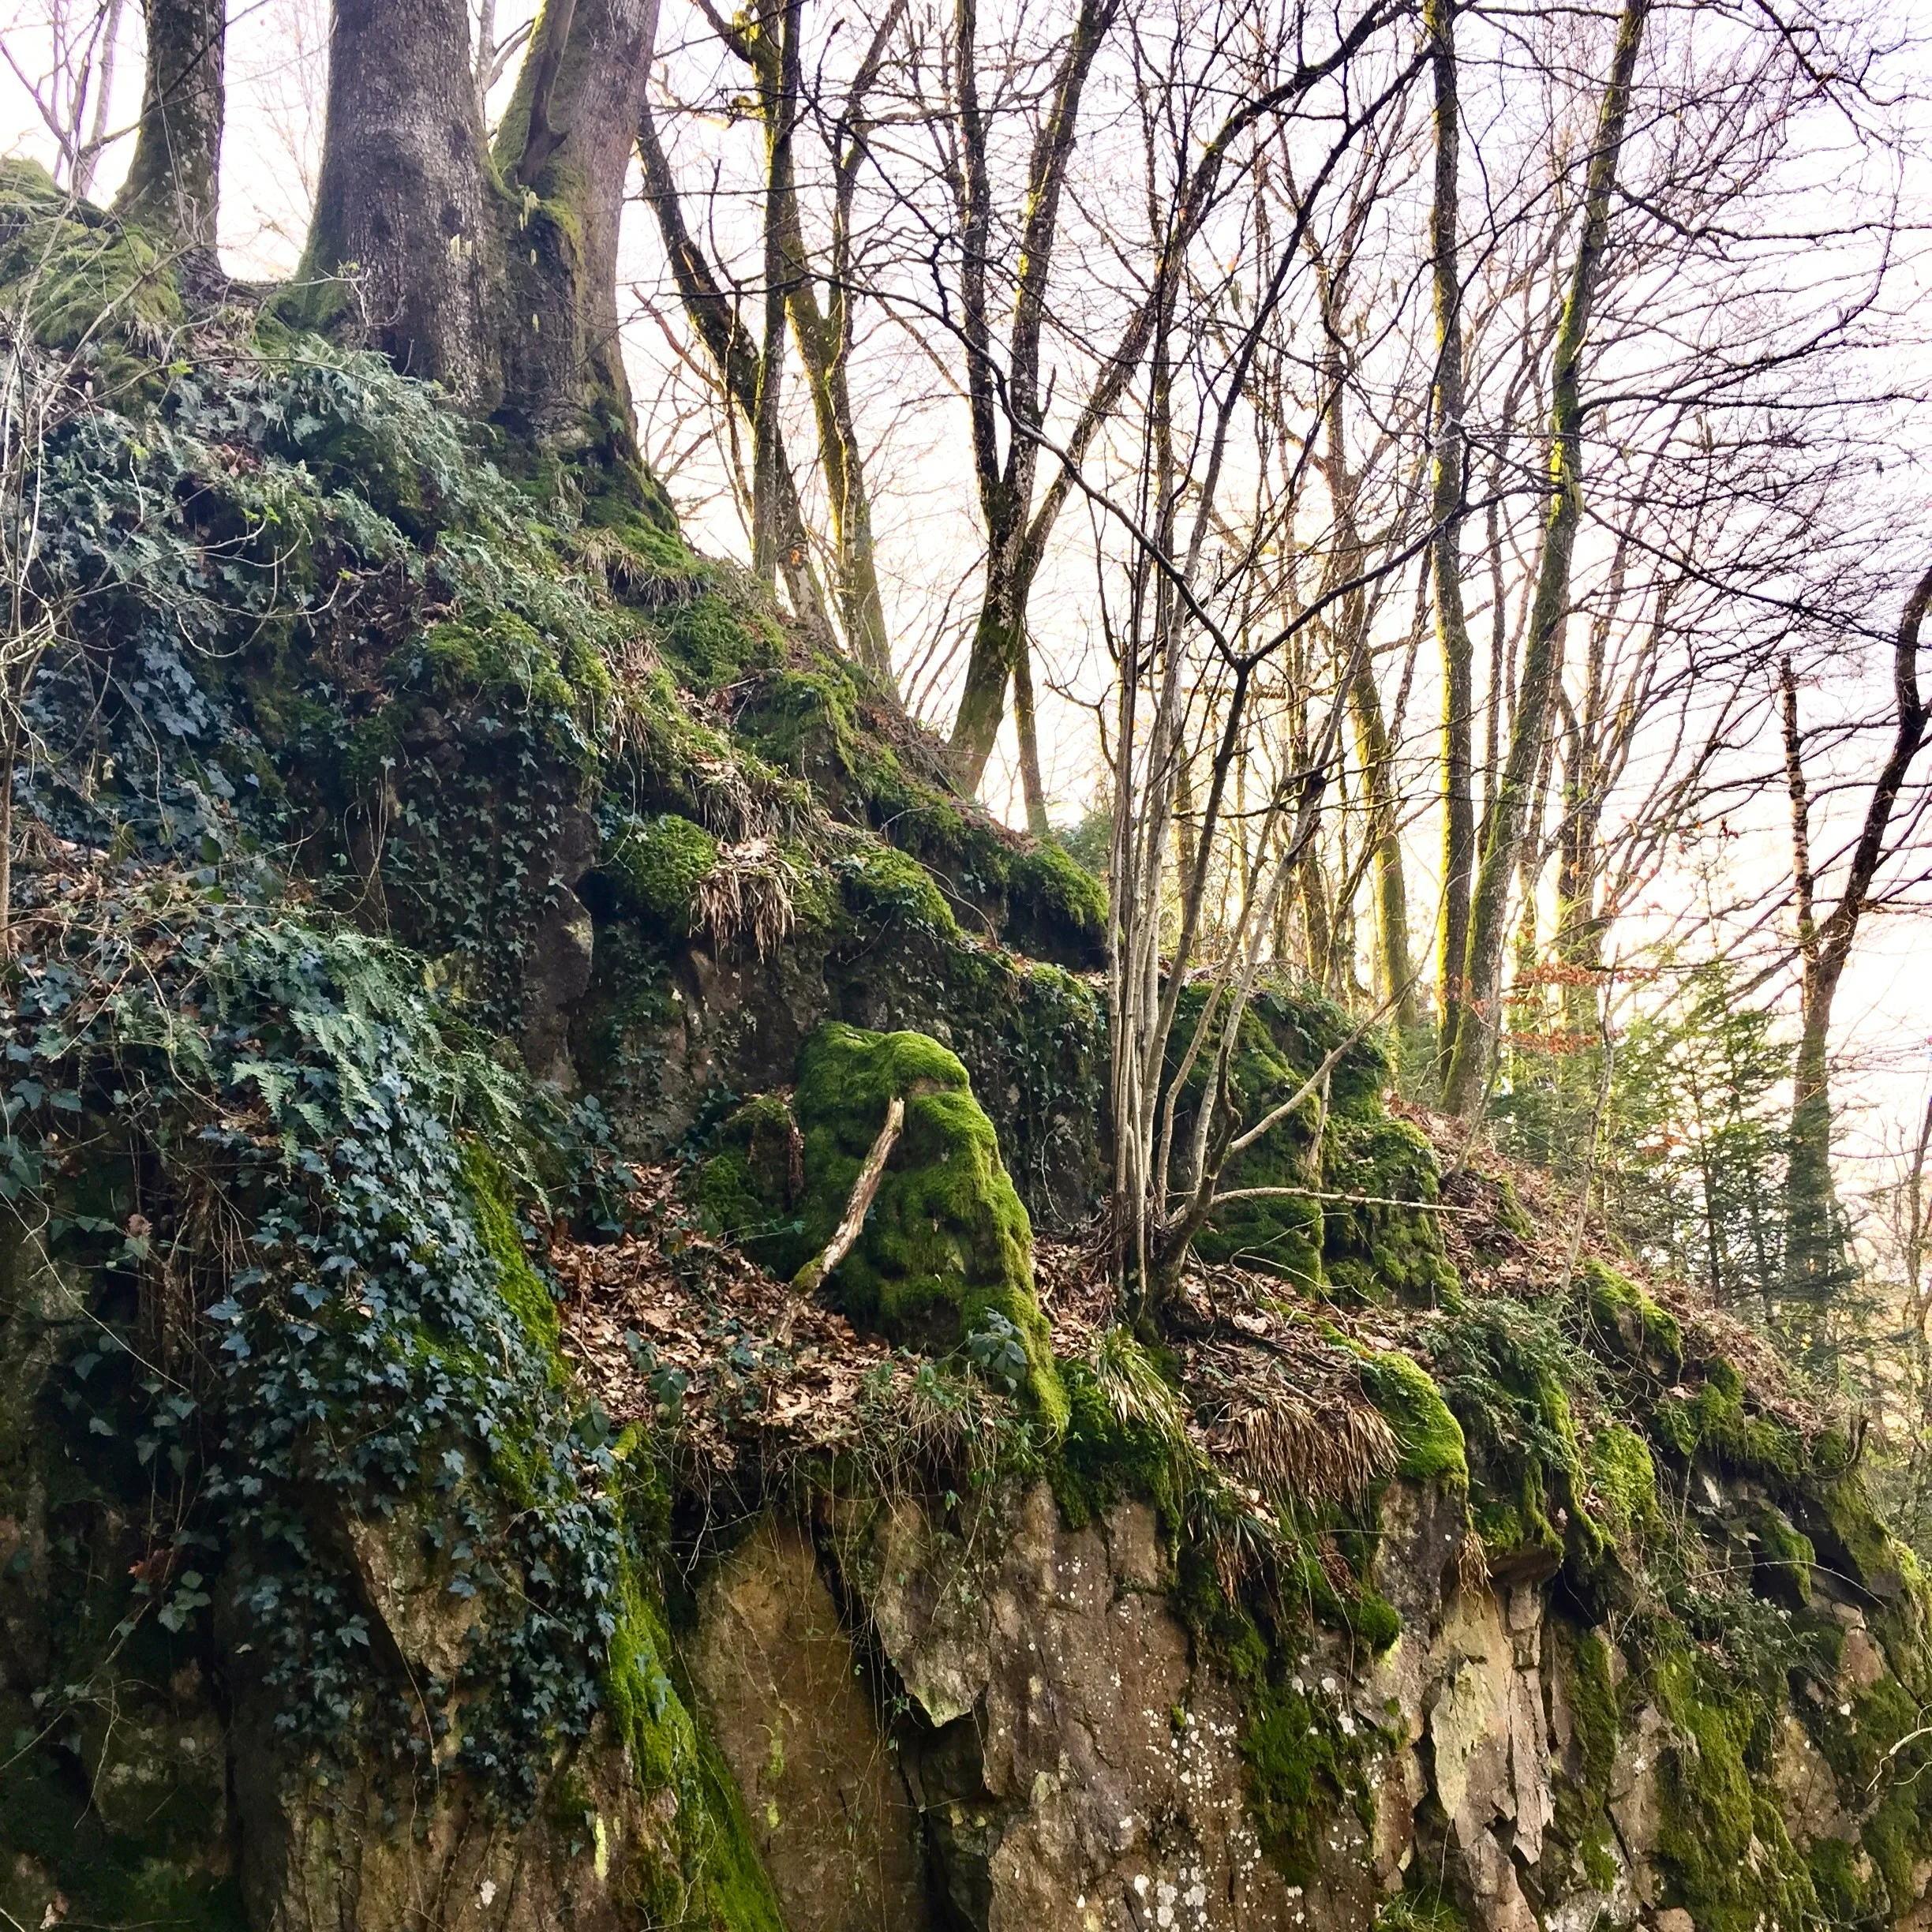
1347	1201
806	1280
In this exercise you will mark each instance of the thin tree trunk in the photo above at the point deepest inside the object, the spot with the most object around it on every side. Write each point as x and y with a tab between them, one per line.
174	182
735	357
780	98
1824	947
1446	509
87	159
824	338
1013	542
1028	729
1467	1080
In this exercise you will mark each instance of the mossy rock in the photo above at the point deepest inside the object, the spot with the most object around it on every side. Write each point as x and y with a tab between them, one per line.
1057	909
1714	1422
1286	1035
946	1254
656	865
1429	1437
883	886
1623	1485
1376	1249
748	1191
1630	1323
1727	1858
89	283
1782	1558
805	722
714	642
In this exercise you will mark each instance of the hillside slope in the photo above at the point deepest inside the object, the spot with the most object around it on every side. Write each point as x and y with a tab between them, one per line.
465	951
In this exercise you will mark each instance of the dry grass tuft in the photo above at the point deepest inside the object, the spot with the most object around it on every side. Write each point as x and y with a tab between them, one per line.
747	895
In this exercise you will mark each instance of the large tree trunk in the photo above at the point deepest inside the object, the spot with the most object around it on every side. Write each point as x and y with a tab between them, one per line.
1467	1079
174	182
563	372
496	275
405	251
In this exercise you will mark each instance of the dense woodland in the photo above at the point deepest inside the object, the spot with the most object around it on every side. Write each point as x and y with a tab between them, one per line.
1403	522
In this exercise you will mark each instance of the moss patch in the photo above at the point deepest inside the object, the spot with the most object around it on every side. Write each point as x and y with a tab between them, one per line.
1376	1248
1633	1325
658	864
1730	1862
1432	1446
946	1255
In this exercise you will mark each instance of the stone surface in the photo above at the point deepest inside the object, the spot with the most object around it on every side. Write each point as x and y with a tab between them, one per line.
1076	1767
830	1811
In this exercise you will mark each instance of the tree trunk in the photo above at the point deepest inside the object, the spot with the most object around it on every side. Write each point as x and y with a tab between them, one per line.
823	335
735	357
564	374
1027	727
1446	509
1824	947
502	289
1014	537
1467	1079
1373	753
780	92
405	251
174	182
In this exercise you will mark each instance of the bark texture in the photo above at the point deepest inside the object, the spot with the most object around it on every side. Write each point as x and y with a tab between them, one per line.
174	181
563	372
494	273
405	252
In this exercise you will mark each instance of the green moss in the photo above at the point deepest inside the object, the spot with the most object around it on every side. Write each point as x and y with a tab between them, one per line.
714	643
1053	898
1853	1539
496	655
748	1191
519	1284
1376	1249
1781	1566
1101	1458
1633	1325
88	284
658	864
886	887
947	1246
706	1875
1623	1484
1431	1438
1729	1861
805	722
1372	1618
1302	1769
1714	1421
1506	1369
